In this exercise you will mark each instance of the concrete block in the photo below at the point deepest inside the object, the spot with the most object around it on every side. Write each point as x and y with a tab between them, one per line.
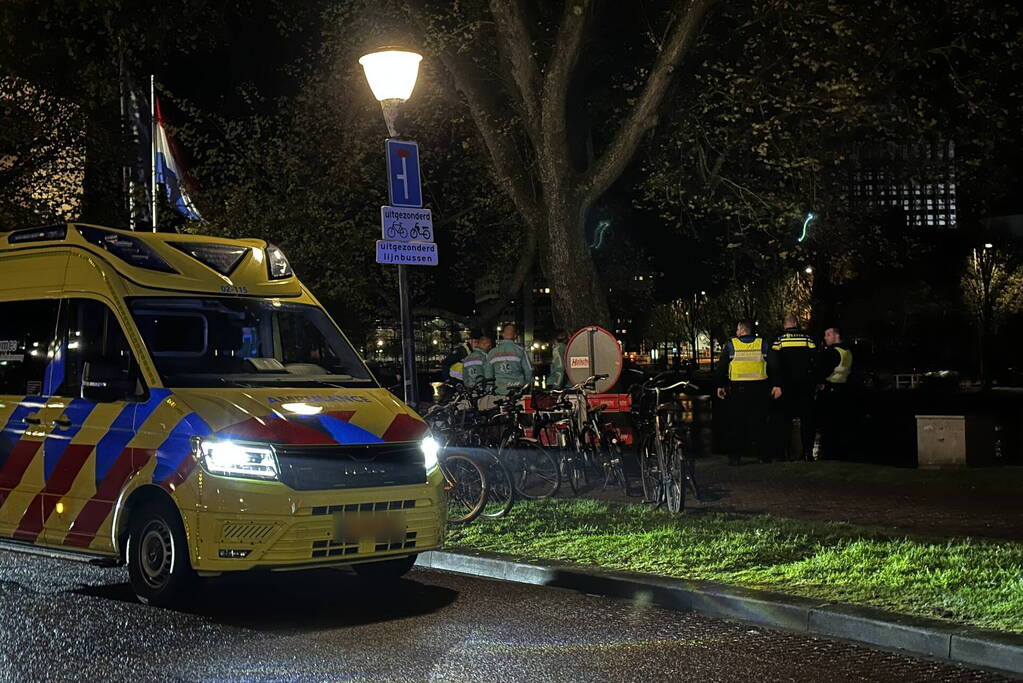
989	648
873	626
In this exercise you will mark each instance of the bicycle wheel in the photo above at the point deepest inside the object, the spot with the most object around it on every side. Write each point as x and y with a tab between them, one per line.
579	474
649	471
500	489
565	467
675	482
467	488
616	468
534	470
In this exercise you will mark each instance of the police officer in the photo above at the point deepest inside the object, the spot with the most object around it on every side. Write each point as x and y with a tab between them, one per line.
796	353
833	400
474	367
556	378
747	366
452	363
508	363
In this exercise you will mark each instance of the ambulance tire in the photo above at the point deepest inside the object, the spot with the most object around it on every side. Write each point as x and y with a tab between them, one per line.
159	568
386	571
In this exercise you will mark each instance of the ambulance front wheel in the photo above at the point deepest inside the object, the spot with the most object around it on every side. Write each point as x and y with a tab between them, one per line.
157	555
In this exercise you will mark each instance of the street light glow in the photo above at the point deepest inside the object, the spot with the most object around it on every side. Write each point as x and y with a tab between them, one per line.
988	245
808	270
391	73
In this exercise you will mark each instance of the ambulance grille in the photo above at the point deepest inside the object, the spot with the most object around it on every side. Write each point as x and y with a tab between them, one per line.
316	468
245	531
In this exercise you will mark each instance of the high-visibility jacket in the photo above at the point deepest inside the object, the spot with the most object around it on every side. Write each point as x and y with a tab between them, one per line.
509	366
454	360
840	375
796	353
749	363
474	367
556	379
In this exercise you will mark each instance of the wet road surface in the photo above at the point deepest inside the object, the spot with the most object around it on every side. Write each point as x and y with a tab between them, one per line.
67	621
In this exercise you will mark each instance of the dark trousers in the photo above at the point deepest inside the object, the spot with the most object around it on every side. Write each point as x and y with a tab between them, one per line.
796	402
747	419
834	418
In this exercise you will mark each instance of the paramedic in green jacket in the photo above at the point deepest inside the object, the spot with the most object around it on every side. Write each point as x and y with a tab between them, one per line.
557	379
474	366
508	363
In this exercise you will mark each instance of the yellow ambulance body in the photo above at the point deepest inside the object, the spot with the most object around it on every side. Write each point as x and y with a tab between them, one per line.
183	404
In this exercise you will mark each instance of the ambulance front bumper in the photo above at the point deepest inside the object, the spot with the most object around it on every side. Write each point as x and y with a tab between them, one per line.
244	524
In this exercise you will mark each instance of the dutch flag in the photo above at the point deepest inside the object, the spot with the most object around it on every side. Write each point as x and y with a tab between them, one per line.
168	171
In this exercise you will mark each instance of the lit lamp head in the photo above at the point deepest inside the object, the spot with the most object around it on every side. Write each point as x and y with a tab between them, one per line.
392	74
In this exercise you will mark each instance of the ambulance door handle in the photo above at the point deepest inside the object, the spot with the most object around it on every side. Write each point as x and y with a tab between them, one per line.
61	422
32	419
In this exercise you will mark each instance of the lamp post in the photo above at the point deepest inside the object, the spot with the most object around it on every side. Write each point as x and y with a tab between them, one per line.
392	74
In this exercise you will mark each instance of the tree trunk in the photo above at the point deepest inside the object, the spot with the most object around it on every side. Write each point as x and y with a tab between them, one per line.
577	294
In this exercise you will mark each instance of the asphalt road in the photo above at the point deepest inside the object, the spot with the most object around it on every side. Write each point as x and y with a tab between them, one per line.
68	621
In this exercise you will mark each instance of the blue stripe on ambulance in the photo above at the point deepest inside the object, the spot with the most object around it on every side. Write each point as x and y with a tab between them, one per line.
345	432
15	427
122	430
58	439
178	446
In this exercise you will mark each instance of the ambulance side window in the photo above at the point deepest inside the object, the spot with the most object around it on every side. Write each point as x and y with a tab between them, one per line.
27	331
95	338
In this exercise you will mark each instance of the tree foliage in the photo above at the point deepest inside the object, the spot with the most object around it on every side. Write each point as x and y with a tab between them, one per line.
787	92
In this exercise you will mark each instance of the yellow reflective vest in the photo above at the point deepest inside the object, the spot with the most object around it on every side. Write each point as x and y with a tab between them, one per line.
840	375
748	364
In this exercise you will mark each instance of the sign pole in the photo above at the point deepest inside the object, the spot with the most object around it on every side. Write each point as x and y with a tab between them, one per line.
404	189
408	337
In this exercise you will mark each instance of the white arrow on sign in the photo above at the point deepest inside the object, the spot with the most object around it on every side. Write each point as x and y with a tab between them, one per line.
399	224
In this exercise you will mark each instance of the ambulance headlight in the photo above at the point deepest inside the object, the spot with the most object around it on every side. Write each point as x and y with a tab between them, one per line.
233	459
277	263
431	448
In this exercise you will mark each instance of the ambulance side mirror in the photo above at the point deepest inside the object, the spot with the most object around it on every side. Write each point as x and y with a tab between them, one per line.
107	382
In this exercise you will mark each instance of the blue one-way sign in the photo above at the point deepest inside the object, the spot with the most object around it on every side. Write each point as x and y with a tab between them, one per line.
403	185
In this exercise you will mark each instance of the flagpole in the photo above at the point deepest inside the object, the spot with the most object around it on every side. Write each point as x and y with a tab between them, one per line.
126	184
152	137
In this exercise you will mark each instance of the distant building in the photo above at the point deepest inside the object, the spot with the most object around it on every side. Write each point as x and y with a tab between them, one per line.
916	180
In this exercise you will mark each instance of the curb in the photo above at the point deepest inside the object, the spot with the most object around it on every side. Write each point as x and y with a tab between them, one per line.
928	637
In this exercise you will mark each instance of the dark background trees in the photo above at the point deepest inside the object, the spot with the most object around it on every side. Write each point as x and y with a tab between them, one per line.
693	137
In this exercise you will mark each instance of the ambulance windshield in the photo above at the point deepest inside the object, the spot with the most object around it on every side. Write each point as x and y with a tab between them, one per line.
233	342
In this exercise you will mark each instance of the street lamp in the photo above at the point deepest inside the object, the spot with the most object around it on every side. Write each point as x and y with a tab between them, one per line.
392	74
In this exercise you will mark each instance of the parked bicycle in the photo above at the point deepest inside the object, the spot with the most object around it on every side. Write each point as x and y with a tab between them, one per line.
456	424
588	444
533	468
666	468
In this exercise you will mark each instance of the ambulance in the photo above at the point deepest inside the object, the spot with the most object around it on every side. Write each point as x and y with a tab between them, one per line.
182	404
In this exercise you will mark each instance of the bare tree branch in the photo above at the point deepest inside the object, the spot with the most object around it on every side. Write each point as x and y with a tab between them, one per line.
506	161
517	46
557	80
619	152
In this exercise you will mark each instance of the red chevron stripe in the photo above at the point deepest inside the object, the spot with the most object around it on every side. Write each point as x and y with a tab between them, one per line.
59	483
277	429
91	518
181	474
17	462
404	428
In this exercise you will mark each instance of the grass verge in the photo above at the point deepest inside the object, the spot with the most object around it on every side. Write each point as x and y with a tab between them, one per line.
961	580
